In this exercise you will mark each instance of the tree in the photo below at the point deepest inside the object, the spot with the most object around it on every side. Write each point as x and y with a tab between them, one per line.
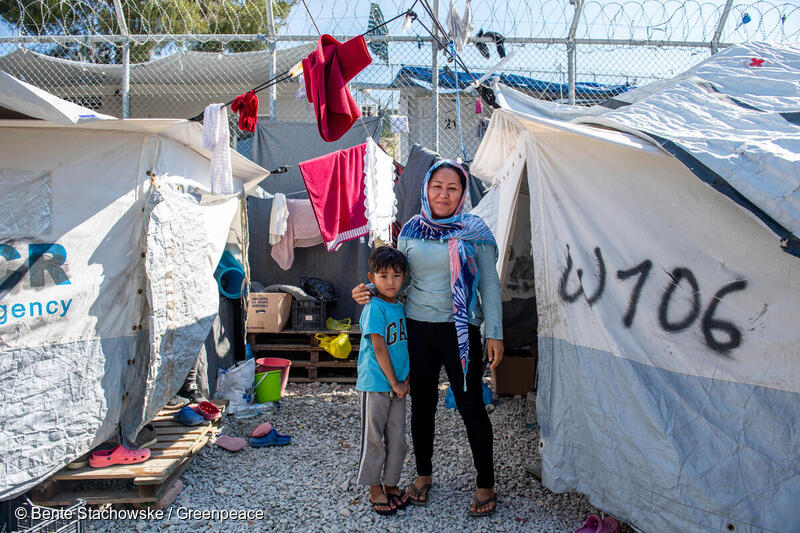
143	17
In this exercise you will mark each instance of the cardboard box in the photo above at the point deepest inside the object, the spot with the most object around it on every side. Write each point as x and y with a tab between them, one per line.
516	374
268	312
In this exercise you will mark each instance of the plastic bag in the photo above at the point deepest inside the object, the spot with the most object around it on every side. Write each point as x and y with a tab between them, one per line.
319	288
236	385
337	345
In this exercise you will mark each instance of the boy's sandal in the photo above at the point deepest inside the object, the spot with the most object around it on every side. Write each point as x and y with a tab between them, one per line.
480	503
420	493
399	499
383	512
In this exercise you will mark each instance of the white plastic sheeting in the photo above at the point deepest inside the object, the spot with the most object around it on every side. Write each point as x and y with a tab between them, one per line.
103	310
733	119
669	367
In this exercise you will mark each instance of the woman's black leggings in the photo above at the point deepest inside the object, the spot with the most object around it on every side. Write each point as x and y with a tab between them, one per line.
429	345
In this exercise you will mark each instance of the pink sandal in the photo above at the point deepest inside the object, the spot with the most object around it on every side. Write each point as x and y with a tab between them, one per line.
261	430
232	444
207	410
118	456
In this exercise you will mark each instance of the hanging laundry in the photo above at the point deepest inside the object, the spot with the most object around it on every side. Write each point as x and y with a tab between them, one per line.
247	106
409	185
300	94
326	71
407	22
302	231
482	126
216	138
335	185
398	123
381	203
278	218
460	28
379	48
481	46
499	41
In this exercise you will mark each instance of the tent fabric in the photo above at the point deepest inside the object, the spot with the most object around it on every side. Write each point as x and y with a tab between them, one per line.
104	308
725	119
185	68
277	143
32	102
669	381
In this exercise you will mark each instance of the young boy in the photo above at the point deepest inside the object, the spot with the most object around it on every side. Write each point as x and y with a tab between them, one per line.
382	383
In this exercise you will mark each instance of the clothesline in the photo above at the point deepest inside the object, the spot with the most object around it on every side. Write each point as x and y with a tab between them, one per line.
287	75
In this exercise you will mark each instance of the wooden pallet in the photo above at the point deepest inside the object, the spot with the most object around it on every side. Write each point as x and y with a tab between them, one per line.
309	361
145	482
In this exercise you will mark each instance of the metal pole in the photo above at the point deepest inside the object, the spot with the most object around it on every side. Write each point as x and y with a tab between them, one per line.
720	26
435	81
273	91
571	72
126	79
572	48
126	60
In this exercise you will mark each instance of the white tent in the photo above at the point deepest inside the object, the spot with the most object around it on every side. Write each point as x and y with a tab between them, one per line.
669	351
109	242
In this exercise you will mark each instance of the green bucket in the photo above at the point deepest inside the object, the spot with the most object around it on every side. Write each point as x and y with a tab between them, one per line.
268	386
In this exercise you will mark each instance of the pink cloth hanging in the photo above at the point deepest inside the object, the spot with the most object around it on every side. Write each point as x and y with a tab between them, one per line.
302	231
326	72
335	185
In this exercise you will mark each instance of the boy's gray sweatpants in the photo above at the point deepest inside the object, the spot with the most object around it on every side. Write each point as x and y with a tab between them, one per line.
383	438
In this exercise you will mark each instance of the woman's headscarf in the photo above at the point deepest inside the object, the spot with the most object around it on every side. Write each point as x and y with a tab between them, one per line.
463	232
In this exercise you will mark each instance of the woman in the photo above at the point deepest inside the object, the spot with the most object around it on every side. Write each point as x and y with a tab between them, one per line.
451	258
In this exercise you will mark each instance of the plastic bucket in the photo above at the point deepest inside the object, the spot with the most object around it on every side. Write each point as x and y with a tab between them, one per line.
265	364
268	386
229	275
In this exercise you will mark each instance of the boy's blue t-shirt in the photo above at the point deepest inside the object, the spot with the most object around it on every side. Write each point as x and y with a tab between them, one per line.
389	321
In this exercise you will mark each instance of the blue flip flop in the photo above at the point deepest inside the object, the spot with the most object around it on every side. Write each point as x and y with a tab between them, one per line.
270	439
188	417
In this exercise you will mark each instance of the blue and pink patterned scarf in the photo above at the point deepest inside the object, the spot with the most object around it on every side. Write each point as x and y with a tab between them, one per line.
462	232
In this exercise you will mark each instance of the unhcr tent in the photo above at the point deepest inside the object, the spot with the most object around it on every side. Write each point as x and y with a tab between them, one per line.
667	281
108	244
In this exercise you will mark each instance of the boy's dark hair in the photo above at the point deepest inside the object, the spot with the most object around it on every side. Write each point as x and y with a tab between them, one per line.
384	258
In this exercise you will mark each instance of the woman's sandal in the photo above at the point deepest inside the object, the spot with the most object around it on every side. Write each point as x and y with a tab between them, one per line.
383	512
399	499
420	492
480	503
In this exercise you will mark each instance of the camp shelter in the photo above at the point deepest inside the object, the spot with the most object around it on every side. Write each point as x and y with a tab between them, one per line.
667	284
109	240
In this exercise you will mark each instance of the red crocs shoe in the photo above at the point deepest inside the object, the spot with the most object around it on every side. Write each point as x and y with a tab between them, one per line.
118	456
207	410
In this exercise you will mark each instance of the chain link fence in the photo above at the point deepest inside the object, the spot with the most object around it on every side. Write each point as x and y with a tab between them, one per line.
171	58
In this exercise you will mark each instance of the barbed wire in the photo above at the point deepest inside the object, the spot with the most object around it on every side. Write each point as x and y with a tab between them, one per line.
666	20
186	54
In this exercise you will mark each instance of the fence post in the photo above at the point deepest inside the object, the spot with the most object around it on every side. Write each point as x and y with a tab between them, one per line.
720	26
435	80
273	91
126	60
126	79
571	49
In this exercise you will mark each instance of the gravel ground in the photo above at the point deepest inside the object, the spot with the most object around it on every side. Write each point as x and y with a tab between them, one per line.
308	485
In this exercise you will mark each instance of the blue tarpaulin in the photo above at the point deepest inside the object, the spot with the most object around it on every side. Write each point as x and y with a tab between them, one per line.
421	77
